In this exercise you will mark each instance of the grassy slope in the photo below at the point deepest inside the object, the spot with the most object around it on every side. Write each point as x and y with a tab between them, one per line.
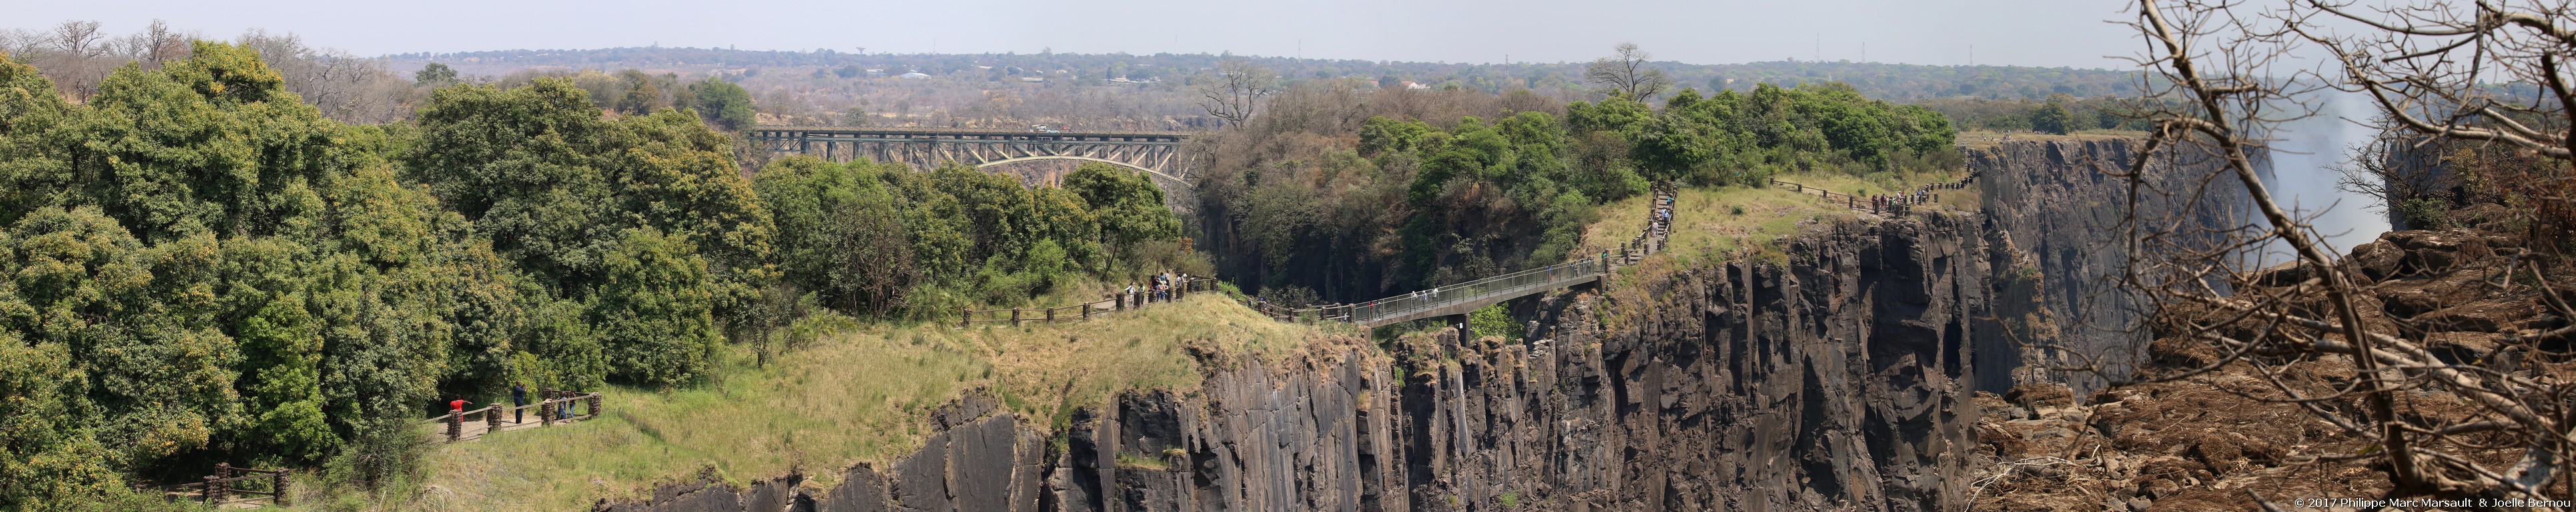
1707	227
861	395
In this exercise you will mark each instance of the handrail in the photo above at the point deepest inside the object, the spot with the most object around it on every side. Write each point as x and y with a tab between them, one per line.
1892	204
217	489
1182	286
1648	241
557	403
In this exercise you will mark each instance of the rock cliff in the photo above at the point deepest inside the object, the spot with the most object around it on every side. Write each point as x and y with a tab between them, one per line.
2056	214
1831	380
1839	378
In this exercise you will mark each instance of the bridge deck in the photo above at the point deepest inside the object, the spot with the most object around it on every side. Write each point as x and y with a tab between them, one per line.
959	135
1445	305
1459	299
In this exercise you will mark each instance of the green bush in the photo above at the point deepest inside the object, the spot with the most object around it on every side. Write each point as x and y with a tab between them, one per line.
1494	320
2426	213
656	314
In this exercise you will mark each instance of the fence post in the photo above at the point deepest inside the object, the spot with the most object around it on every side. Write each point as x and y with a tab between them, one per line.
491	420
455	425
207	492
546	411
277	484
594	404
965	318
1050	316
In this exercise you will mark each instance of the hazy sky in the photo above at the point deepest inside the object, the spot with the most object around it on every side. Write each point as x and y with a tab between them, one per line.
2021	32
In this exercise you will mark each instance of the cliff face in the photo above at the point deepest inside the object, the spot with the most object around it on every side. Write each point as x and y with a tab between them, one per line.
1838	379
1830	381
2055	214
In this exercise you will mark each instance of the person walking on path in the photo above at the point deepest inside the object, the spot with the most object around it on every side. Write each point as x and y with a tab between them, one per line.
518	402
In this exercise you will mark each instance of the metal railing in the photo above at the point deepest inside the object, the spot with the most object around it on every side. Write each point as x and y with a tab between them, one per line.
1648	241
1516	283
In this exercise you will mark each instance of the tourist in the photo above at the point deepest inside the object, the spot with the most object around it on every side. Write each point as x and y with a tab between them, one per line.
518	402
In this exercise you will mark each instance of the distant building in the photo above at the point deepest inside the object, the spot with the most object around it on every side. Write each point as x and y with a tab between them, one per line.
915	74
1031	79
876	73
1414	86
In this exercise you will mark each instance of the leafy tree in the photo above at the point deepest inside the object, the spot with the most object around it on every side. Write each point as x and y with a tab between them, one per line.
1495	321
524	165
1129	207
435	74
642	95
841	231
722	104
2052	117
556	186
655	310
35	154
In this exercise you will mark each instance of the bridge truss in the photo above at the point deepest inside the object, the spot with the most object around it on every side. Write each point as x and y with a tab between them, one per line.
1156	153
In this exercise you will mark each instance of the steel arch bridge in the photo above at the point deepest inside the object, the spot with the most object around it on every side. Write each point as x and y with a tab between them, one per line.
1156	153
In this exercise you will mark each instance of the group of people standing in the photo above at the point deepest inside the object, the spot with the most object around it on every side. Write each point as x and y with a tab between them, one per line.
1885	201
519	403
1158	289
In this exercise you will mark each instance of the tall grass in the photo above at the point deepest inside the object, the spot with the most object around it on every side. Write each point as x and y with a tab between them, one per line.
851	396
1722	223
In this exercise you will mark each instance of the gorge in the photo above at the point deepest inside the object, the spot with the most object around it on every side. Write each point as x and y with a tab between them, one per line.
1838	376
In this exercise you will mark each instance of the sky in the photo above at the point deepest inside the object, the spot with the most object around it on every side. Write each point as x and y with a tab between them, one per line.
2048	33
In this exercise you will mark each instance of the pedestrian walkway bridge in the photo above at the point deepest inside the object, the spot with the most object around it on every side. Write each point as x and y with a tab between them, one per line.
1461	298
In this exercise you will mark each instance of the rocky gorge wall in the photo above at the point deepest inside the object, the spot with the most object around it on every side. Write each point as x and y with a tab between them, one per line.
2056	213
1832	380
1839	378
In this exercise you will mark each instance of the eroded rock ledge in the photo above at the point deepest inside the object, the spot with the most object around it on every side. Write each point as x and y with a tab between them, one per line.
1832	380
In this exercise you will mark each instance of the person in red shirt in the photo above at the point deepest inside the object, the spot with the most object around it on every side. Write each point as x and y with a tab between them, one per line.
457	406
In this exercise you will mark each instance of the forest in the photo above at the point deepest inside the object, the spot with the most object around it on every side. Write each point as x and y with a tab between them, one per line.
1341	193
198	266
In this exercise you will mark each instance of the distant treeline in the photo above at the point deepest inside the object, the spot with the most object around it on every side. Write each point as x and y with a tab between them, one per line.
1898	82
1121	91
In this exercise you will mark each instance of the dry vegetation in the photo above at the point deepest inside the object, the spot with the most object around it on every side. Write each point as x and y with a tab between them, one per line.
1724	222
862	394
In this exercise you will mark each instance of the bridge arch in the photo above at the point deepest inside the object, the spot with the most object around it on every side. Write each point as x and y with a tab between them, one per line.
1158	175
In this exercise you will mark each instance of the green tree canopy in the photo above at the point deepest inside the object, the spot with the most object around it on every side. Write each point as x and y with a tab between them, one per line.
722	104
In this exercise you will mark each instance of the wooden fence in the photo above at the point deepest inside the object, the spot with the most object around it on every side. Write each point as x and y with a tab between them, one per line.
553	406
1181	287
1885	204
226	486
